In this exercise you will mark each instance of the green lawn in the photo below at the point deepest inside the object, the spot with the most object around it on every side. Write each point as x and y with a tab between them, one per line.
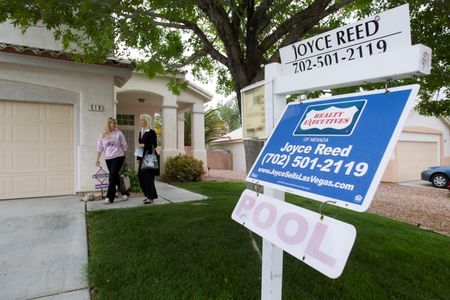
189	251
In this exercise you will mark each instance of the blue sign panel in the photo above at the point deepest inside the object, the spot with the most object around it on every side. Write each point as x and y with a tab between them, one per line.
100	175
101	186
337	148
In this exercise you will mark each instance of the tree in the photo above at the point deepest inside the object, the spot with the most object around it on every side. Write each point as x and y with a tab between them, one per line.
158	127
214	126
233	38
228	111
430	26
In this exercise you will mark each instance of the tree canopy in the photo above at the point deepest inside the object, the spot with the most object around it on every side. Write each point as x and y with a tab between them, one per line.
215	127
228	111
233	39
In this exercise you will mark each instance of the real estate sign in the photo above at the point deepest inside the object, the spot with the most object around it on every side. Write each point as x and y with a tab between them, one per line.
322	243
336	148
333	149
102	178
385	32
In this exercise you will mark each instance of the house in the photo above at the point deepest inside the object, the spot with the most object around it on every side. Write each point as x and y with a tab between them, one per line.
140	95
53	109
424	142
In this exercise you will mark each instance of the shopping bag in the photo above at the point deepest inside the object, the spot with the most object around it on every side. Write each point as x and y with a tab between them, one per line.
124	183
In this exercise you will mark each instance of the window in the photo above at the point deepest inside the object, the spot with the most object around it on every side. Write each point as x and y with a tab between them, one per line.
125	120
253	112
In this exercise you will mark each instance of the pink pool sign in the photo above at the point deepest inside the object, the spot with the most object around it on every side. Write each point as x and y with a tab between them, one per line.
323	244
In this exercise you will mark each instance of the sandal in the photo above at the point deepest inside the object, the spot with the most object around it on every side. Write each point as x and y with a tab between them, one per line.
148	201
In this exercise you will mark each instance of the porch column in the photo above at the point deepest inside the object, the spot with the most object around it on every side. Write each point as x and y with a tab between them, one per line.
198	133
180	125
153	115
168	129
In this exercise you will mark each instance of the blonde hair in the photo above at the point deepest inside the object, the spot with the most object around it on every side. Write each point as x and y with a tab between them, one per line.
147	119
108	128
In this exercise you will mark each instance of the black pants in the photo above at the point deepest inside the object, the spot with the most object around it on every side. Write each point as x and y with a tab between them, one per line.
147	182
114	165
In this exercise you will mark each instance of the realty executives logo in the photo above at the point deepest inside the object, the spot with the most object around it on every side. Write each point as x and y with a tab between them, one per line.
338	118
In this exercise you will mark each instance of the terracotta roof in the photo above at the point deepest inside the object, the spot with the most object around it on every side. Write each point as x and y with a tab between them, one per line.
32	51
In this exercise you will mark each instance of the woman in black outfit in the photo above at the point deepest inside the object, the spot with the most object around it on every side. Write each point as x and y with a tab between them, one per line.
147	141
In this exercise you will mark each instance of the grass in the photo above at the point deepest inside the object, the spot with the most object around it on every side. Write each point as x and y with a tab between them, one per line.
195	251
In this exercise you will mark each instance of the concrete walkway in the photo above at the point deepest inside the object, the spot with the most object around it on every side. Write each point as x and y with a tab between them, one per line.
43	244
167	194
43	249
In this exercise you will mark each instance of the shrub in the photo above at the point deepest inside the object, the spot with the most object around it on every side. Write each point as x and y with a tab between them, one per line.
134	180
183	168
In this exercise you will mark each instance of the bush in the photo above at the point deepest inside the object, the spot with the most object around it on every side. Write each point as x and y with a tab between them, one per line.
134	180
183	168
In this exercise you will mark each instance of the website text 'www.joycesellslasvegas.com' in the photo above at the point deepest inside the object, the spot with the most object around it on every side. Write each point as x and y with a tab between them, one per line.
310	179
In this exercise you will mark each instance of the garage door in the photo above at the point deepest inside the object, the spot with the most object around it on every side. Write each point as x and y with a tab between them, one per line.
36	149
414	157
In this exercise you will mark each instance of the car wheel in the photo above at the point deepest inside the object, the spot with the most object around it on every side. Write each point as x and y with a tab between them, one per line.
439	181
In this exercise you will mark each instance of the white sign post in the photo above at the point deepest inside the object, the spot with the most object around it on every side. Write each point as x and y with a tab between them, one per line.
376	49
272	256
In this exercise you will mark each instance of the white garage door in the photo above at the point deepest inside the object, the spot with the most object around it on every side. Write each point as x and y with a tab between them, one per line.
414	157
36	149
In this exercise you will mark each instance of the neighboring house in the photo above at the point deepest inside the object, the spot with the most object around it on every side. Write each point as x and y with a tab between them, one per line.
53	109
424	142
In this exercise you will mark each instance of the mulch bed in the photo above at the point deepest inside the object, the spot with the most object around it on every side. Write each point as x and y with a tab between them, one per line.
425	207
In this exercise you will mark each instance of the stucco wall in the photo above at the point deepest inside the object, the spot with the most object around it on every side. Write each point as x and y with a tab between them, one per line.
90	89
139	82
219	159
391	172
237	151
35	36
414	119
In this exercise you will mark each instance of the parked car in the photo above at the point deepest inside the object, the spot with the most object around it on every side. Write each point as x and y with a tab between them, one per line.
438	176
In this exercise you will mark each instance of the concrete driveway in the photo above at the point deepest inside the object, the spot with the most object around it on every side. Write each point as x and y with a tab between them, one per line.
43	249
418	183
